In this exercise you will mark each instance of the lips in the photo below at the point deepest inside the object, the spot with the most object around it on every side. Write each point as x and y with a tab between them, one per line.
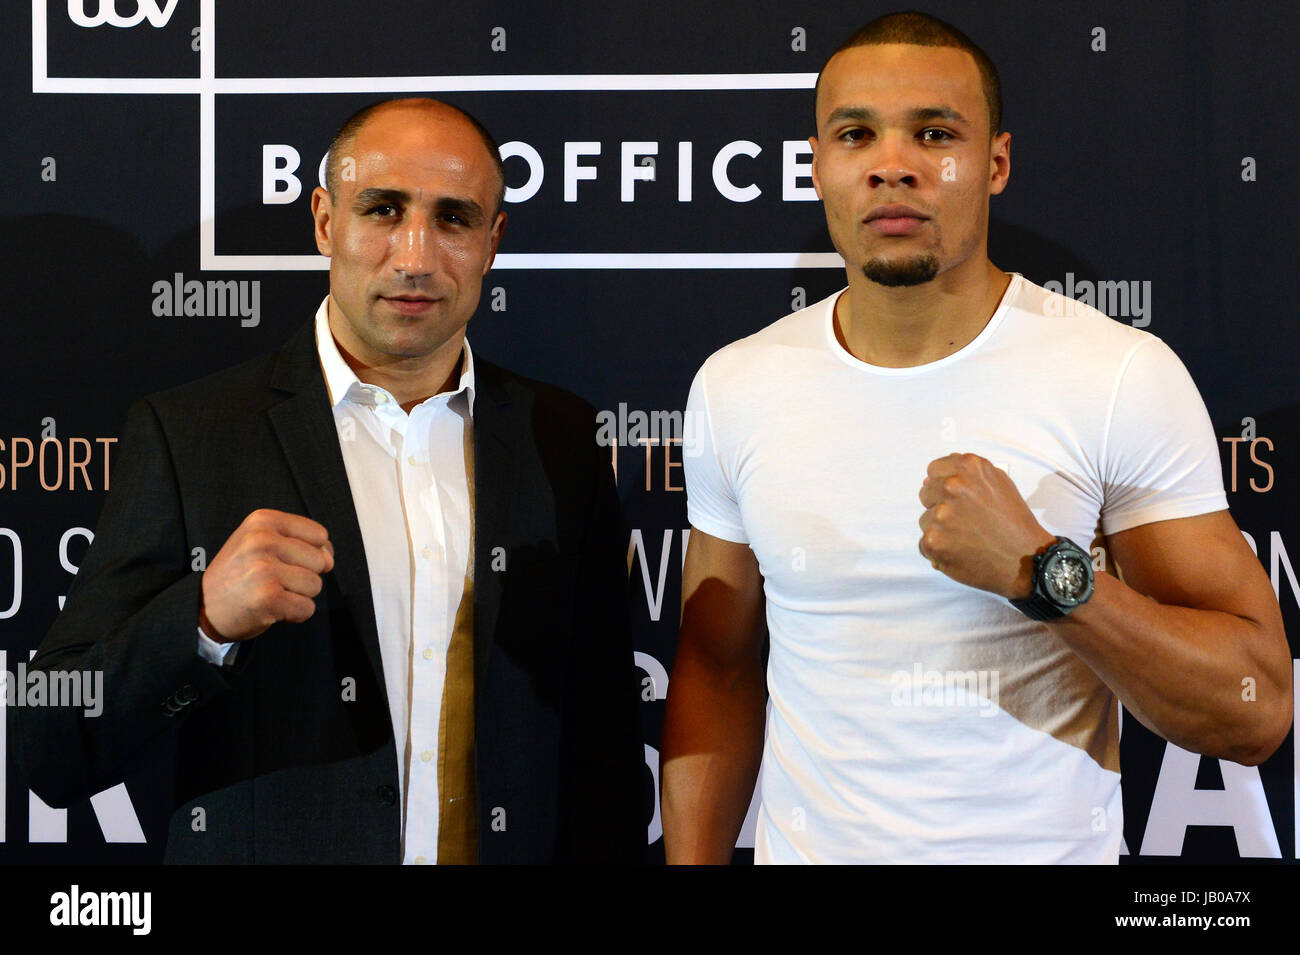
409	304
895	211
895	219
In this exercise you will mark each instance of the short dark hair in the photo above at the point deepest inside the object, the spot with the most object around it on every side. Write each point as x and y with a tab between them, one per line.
921	29
347	134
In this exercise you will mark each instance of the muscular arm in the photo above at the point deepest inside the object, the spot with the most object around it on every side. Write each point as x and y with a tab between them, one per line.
1191	641
1177	640
713	725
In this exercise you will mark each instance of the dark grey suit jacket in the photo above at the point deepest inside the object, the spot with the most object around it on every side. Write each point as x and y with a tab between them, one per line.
283	767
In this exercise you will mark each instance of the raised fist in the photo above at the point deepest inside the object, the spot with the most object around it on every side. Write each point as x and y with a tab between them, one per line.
268	571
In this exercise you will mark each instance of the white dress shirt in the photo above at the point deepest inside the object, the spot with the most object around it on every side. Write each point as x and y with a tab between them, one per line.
411	493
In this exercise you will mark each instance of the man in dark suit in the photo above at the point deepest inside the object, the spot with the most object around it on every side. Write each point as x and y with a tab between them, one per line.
410	643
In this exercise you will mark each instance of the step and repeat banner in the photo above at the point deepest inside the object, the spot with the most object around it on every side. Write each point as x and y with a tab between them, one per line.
159	157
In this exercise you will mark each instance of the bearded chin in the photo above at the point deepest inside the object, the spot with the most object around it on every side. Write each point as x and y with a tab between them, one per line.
895	273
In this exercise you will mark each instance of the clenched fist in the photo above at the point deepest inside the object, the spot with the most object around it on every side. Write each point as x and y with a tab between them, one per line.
268	571
977	528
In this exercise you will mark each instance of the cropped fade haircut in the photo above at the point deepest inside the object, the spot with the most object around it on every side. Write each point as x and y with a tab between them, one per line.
351	127
921	29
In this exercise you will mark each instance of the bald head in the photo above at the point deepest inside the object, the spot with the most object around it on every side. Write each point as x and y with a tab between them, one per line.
345	139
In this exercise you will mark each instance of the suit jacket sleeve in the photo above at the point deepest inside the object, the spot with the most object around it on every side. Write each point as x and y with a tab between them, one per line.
605	807
132	614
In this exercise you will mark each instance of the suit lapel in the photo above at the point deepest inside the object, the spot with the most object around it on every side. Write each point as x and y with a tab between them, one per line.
497	432
304	423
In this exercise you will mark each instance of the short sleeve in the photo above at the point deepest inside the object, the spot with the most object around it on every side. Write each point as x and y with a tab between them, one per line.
1161	459
711	504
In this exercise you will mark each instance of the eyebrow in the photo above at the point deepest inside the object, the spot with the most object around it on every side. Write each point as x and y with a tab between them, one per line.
372	196
467	209
920	114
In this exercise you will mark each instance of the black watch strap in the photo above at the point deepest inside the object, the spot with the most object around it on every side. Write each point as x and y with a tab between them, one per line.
1038	607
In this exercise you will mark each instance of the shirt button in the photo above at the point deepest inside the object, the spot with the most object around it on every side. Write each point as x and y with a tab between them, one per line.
426	756
426	553
412	460
419	860
381	398
428	654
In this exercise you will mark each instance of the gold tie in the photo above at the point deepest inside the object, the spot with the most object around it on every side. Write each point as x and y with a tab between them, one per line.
458	815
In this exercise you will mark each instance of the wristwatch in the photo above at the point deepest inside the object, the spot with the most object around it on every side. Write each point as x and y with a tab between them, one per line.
1062	581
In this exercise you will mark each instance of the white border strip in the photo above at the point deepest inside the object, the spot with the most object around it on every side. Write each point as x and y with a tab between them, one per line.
40	44
130	85
522	83
571	261
207	135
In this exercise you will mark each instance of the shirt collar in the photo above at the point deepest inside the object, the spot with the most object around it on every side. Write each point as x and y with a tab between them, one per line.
342	382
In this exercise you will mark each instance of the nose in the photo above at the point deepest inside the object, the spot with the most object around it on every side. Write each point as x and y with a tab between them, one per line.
413	249
893	165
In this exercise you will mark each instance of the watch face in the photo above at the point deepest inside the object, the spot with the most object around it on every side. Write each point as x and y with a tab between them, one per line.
1067	577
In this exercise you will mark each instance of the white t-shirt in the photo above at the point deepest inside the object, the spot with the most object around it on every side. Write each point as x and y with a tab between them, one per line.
913	718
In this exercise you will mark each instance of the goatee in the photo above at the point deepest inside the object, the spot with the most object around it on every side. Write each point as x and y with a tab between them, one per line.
894	273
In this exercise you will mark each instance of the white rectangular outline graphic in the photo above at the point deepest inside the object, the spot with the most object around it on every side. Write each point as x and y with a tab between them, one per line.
207	86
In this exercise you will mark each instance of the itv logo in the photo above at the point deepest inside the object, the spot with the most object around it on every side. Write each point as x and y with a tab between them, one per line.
106	12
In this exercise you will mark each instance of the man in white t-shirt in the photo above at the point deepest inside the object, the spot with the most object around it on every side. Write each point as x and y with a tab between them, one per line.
922	488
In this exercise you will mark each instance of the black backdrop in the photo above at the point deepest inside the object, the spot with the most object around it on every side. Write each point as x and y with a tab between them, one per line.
1153	146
